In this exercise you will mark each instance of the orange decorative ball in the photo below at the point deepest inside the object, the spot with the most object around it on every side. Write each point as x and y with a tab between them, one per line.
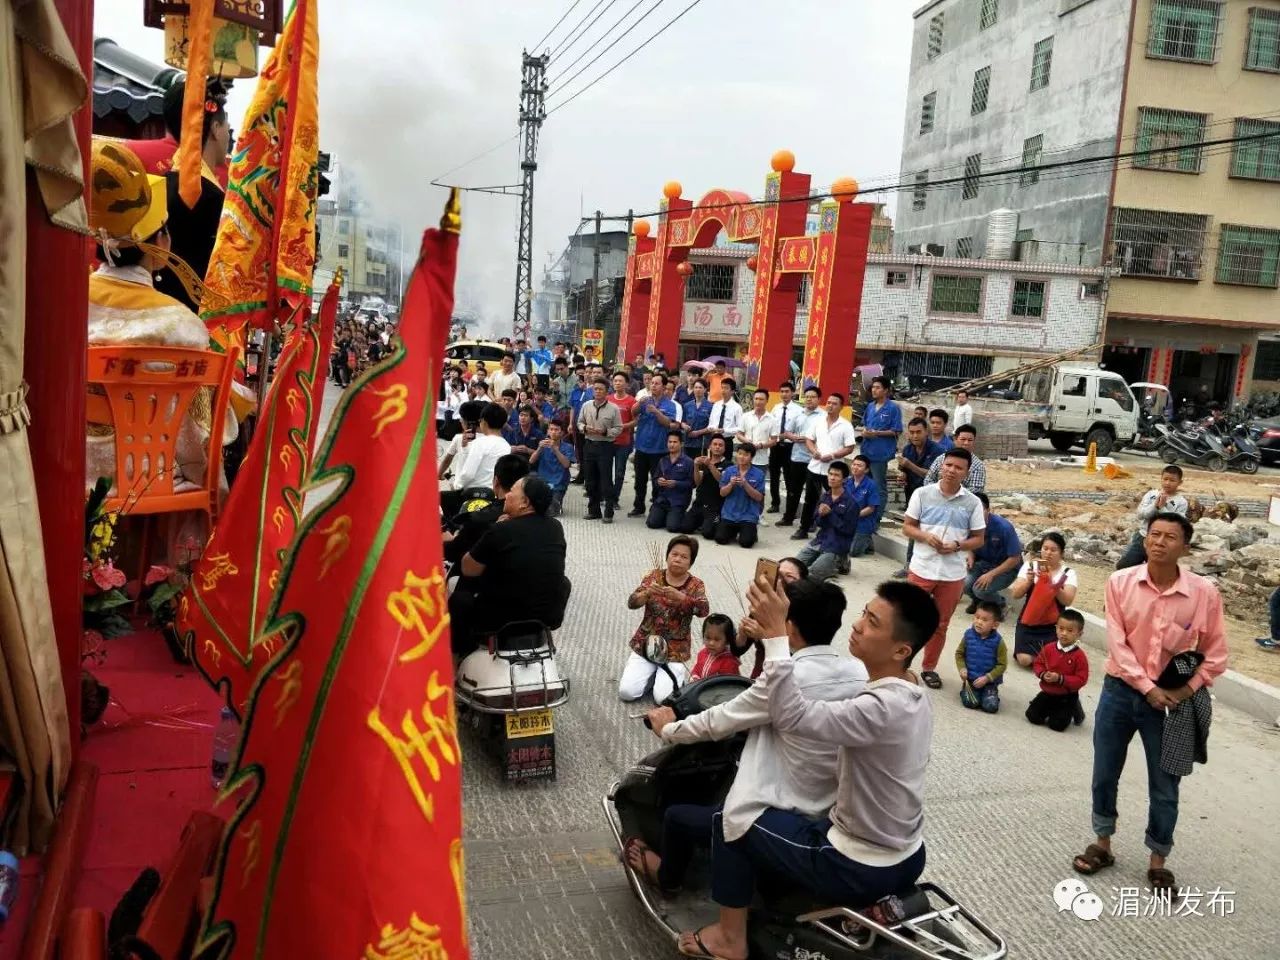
844	189
641	228
684	268
672	189
753	262
784	161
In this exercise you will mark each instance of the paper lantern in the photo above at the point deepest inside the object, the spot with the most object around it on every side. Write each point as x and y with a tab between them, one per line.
685	269
753	262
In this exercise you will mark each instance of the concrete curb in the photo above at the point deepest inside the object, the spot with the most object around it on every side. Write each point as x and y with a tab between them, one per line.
1252	697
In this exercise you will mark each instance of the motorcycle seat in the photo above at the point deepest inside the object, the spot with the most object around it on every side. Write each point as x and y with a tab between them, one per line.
789	903
522	635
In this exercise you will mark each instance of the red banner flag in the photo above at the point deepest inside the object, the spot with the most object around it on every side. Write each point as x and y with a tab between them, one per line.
345	837
223	609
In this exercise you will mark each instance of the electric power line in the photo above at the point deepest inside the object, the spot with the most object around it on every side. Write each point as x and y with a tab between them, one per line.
578	32
556	83
665	27
548	34
435	181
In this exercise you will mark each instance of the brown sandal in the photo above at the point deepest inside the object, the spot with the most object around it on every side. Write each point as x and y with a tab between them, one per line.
1094	858
1162	881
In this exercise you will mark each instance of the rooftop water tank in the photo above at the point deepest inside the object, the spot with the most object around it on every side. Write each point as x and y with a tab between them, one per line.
1002	227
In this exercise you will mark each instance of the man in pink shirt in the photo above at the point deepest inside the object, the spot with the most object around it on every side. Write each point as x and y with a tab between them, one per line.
1155	611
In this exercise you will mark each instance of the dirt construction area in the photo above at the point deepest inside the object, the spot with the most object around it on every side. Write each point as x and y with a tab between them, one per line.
1097	516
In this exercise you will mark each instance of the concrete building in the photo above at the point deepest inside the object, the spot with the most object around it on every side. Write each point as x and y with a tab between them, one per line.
352	235
1190	230
562	308
936	320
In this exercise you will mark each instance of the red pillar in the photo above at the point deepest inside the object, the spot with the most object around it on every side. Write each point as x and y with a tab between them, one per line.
835	302
635	296
56	342
666	303
773	315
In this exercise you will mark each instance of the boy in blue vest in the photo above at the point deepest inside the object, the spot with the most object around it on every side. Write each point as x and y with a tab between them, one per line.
981	659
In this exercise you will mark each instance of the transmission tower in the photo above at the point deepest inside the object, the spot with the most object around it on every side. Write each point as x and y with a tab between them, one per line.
533	91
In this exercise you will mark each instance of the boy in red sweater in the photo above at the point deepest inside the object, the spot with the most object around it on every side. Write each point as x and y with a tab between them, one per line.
716	656
1063	670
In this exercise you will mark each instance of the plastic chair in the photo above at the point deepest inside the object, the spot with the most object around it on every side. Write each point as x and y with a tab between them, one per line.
146	394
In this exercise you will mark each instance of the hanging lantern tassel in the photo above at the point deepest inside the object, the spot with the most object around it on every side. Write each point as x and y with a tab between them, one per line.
199	56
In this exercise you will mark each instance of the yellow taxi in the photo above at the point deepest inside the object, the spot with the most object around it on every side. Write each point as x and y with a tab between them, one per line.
469	351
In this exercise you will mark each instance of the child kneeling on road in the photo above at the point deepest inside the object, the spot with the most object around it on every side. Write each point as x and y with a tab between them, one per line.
1063	670
982	659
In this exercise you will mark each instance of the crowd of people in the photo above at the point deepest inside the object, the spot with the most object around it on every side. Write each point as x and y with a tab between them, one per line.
830	788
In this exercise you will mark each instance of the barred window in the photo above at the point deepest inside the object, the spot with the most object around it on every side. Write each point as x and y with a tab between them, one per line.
956	366
1169	139
1267	364
972	170
989	15
1184	30
802	293
935	37
927	106
981	86
956	294
1041	61
964	247
711	282
343	250
895	278
1249	256
1263	50
1152	243
1091	290
1028	298
1257	159
920	191
1032	147
344	227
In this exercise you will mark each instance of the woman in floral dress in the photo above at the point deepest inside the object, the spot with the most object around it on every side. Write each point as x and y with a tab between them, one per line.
671	598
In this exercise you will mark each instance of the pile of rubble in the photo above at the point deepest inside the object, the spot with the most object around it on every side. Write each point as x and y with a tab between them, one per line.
1242	556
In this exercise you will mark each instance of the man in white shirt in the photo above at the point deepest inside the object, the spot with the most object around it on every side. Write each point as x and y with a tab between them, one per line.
726	415
787	413
963	414
758	427
506	378
484	451
774	770
947	522
829	438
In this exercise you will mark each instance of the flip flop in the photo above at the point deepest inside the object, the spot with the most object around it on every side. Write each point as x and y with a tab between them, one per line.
647	873
702	953
1095	858
931	679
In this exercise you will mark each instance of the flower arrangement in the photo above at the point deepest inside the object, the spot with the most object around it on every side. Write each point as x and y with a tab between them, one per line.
162	586
104	583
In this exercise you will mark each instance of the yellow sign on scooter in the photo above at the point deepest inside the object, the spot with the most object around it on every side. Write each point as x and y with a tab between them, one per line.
528	723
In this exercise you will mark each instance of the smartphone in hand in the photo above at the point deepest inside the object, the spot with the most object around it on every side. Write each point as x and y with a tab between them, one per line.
768	569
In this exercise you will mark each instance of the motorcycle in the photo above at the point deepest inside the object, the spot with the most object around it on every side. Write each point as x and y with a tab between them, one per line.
506	690
1154	399
784	923
1242	450
1194	444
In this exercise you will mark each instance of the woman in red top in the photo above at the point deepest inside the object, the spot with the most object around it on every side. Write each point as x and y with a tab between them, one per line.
671	598
718	655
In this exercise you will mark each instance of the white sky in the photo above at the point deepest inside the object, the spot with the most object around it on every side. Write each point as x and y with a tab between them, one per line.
418	87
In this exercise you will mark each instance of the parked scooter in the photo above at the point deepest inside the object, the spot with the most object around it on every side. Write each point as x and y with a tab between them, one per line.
930	924
1193	444
1153	401
1242	450
506	690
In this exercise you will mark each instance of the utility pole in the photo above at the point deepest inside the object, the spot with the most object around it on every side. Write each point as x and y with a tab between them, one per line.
533	91
595	274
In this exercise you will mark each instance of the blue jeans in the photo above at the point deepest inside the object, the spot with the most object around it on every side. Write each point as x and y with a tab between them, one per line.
993	593
796	851
1122	712
880	474
620	455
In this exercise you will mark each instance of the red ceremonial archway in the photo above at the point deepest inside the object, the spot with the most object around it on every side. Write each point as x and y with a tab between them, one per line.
835	258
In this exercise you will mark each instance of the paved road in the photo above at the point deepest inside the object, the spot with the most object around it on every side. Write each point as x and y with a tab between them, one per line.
1008	804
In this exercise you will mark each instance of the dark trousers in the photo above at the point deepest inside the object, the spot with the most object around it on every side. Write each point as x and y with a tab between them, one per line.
1274	606
686	827
1122	712
1134	554
779	458
579	443
664	516
795	850
644	464
796	473
462	618
815	485
620	455
744	533
597	464
1053	710
702	520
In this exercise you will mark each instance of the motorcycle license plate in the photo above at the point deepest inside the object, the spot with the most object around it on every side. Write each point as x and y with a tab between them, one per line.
528	723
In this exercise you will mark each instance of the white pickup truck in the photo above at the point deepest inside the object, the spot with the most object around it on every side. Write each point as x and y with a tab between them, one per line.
1076	405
